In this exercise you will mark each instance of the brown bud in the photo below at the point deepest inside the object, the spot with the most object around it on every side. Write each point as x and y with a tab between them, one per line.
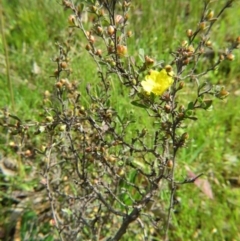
110	49
221	57
56	72
208	43
148	61
222	94
52	222
110	30
166	97
101	12
181	84
93	9
49	118
129	34
230	56
66	4
63	81
238	40
91	39
202	25
184	43
88	47
210	15
190	48
121	172
99	30
59	85
185	136
99	52
167	108
189	33
119	19
180	116
111	158
168	68
170	164
64	65
88	34
72	20
186	61
121	50
28	153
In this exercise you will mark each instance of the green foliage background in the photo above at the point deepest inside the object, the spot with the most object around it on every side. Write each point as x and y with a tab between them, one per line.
32	28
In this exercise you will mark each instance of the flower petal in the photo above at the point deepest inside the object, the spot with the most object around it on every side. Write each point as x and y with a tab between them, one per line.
148	85
157	82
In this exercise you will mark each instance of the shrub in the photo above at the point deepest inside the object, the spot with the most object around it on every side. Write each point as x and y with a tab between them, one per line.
105	178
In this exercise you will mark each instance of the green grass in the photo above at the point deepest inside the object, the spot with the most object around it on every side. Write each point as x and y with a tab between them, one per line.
33	27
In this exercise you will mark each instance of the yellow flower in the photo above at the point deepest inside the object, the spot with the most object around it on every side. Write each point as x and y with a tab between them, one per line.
157	82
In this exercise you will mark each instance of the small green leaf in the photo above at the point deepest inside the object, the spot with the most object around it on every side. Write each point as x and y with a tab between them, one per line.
141	55
201	86
188	113
132	176
190	106
67	211
206	104
136	103
192	118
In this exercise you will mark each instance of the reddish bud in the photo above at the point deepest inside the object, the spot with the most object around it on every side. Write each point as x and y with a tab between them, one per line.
121	50
186	61
222	94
